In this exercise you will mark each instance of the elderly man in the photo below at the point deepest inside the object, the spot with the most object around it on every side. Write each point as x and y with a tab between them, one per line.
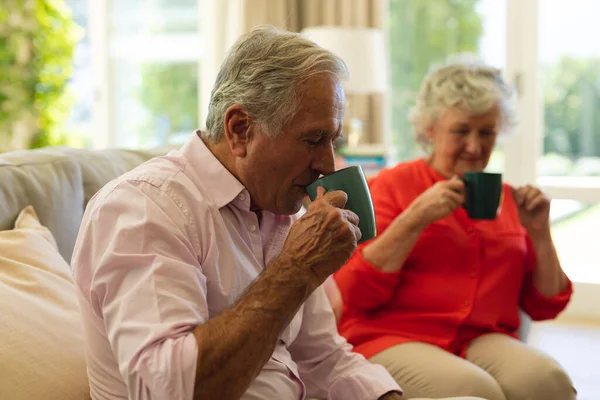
195	282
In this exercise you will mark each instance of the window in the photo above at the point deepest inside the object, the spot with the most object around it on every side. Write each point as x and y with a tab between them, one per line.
423	33
154	53
79	123
569	69
574	227
569	153
136	78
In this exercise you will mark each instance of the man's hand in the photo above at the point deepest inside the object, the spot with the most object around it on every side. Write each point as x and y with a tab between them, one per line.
323	239
392	396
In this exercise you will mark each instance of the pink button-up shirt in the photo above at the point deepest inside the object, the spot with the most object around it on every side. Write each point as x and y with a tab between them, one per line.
170	245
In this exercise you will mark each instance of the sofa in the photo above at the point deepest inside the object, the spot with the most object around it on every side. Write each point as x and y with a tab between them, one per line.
41	341
43	194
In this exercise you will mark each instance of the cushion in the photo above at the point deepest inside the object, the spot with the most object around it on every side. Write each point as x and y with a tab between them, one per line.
101	166
49	181
41	336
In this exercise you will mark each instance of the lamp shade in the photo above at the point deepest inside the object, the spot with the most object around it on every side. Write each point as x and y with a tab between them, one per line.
363	51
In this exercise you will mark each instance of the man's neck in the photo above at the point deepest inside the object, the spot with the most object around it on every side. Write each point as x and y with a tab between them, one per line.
221	152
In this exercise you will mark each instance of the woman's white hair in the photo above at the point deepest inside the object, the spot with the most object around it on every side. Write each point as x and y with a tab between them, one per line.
262	72
463	81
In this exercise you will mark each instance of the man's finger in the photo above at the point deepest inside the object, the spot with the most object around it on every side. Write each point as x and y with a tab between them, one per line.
351	217
336	198
357	233
320	192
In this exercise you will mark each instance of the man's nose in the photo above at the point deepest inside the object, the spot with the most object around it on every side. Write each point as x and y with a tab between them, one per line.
324	162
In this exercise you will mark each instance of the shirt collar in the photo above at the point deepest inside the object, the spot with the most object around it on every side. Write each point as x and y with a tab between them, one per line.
219	184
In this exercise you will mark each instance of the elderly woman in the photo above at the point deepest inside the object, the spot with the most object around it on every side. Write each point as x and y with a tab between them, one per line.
435	298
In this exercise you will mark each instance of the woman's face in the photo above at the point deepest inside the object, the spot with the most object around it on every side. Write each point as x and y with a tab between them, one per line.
463	142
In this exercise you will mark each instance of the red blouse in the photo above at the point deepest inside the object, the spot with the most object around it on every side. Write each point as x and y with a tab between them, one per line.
463	278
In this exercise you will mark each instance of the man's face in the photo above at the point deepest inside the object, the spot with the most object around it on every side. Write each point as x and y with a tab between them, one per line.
277	171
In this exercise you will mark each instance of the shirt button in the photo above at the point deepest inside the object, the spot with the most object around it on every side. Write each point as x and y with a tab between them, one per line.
252	228
467	303
473	274
474	266
469	229
242	197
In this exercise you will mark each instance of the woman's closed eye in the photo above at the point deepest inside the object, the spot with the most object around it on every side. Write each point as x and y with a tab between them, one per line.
462	131
482	132
487	132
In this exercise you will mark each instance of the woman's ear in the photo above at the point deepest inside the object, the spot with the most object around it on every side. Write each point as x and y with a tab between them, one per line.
237	129
430	133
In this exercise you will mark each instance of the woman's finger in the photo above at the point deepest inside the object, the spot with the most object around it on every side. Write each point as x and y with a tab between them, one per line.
531	194
518	196
535	202
456	198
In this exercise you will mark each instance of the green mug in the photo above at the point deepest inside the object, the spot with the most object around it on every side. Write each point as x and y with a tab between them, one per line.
352	181
483	194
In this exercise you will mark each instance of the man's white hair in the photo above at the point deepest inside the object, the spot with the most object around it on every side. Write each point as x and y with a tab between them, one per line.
463	81
261	73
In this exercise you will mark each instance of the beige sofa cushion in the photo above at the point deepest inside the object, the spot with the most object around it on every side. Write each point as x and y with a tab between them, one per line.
49	181
101	166
41	346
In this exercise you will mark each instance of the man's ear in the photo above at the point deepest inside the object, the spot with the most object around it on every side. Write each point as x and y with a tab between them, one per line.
237	129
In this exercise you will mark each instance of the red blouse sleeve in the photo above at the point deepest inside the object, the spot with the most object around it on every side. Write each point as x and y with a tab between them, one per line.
538	306
362	286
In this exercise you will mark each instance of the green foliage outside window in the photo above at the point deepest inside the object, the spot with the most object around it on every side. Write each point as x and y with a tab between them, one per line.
571	90
170	94
423	33
37	40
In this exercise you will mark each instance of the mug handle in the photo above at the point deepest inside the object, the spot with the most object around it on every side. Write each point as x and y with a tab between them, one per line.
467	184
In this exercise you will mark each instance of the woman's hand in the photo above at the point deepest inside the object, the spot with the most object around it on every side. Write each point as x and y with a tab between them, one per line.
389	251
437	202
534	210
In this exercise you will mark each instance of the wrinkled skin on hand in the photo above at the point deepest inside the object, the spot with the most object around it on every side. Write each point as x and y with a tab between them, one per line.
323	239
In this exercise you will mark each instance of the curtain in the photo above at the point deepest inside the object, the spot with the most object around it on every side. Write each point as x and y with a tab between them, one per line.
227	19
295	15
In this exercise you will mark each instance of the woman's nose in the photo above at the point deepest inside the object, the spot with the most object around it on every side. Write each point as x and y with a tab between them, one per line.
473	145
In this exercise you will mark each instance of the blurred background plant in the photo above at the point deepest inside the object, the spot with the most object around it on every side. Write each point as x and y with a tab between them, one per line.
37	41
169	92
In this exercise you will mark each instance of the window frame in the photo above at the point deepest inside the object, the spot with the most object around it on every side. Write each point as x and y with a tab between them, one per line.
103	113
